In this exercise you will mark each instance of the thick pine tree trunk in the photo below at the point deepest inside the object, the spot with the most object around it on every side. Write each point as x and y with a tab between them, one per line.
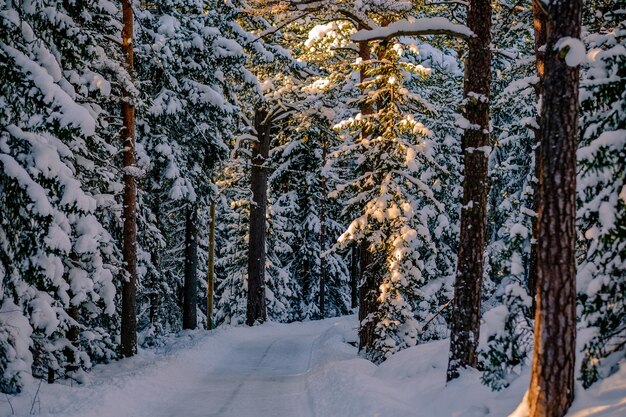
210	281
129	245
256	311
539	23
322	281
190	290
552	377
475	141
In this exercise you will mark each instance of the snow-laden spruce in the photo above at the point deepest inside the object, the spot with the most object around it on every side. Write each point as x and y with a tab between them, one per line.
602	202
58	208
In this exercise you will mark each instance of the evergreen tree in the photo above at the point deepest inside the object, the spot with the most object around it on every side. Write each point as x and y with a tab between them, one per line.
191	110
602	200
393	192
300	198
232	241
551	388
57	186
465	323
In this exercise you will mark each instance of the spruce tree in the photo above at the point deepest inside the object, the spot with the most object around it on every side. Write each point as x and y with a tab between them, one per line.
57	256
191	69
602	199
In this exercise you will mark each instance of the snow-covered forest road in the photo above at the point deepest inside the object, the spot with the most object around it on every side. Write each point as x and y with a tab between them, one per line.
287	370
250	372
265	376
236	372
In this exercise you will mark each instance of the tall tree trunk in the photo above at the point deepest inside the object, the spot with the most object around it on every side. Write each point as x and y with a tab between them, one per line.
539	23
129	244
210	281
190	291
367	285
465	324
256	311
323	272
552	377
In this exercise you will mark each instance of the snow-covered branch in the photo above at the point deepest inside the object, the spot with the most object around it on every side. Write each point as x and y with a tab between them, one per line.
418	27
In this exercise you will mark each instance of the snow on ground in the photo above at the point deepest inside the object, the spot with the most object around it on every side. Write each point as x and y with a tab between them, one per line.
295	370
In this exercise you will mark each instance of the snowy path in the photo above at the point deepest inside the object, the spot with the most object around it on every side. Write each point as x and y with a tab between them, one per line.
234	372
266	376
295	370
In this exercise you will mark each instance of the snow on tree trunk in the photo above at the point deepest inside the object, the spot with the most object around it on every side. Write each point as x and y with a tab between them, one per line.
465	324
552	379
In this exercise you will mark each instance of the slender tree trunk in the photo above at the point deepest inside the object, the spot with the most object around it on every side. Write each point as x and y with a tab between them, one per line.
552	377
257	311
465	324
322	281
539	23
129	244
190	292
354	277
210	281
367	285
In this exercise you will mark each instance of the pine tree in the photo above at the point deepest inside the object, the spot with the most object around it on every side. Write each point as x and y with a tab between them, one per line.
465	323
128	340
552	378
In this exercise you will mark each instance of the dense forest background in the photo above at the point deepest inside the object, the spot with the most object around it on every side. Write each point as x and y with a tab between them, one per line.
308	151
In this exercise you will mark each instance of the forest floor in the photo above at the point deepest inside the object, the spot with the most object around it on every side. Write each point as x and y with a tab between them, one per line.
288	370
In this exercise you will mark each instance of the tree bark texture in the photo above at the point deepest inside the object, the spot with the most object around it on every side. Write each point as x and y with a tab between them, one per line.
475	141
539	24
210	281
190	289
256	309
129	245
552	376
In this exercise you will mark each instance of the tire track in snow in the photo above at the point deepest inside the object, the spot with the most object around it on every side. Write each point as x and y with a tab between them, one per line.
243	382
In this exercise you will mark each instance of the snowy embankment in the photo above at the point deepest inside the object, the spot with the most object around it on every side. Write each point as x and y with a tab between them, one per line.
296	370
